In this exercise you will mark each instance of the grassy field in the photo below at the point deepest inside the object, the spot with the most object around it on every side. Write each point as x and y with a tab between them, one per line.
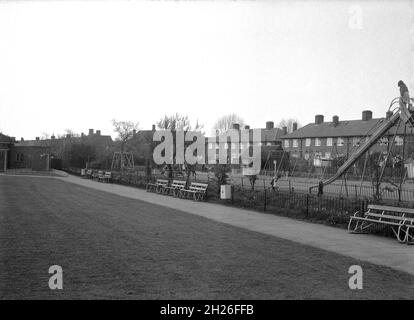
118	248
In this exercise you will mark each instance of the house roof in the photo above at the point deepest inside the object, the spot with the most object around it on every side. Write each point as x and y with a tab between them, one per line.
33	143
97	140
144	136
267	135
5	139
271	134
346	128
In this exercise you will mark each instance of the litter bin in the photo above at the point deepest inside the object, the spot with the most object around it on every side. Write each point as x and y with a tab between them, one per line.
225	191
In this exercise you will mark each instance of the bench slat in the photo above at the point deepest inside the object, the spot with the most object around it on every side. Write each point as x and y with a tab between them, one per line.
378	215
391	209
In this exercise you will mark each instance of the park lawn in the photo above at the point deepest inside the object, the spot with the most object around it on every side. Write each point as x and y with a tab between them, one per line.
112	247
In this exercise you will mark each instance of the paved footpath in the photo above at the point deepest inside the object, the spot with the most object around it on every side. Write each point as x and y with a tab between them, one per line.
370	248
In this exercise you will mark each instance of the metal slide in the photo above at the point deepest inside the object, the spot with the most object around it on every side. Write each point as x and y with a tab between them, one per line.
382	129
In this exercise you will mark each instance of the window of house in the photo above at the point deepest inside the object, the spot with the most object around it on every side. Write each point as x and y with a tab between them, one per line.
306	155
17	156
226	146
308	142
329	142
269	144
210	146
383	141
233	145
317	142
21	157
295	143
340	142
286	143
355	141
327	155
398	141
234	158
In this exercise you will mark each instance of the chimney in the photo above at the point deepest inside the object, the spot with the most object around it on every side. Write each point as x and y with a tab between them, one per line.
335	120
270	125
388	114
318	119
98	132
153	127
134	132
52	137
366	115
284	130
294	126
246	127
21	139
90	132
13	139
82	134
68	135
37	138
235	126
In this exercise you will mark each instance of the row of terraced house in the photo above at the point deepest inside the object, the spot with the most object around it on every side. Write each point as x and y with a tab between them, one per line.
325	140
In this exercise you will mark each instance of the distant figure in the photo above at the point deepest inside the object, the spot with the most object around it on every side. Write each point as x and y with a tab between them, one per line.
274	180
320	188
405	104
405	95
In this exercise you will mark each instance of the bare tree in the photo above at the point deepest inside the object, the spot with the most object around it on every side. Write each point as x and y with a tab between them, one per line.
178	122
125	131
288	123
44	136
224	123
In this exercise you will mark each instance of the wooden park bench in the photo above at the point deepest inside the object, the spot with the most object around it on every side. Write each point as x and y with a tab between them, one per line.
401	221
97	175
106	177
89	173
158	186
175	188
196	191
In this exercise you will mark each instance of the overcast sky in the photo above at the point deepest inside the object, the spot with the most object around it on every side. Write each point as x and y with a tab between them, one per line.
76	65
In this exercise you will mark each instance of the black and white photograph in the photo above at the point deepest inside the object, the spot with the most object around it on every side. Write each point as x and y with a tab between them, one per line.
206	155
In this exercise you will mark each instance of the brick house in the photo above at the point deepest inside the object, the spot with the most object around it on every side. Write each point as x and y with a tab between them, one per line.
327	140
141	145
59	146
270	143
